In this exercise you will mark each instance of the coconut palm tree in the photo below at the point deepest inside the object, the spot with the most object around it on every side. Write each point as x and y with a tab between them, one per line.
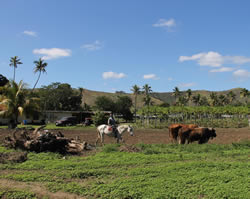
214	99
14	61
196	99
14	101
176	93
182	101
244	93
231	96
136	91
189	94
203	101
146	89
223	100
147	99
40	67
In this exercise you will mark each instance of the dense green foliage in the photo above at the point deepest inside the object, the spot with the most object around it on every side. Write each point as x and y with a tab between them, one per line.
103	103
243	110
16	194
15	101
60	96
121	106
220	116
100	118
3	81
157	171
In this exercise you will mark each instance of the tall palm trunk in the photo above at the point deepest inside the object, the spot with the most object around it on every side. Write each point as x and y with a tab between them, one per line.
135	106
37	80
14	73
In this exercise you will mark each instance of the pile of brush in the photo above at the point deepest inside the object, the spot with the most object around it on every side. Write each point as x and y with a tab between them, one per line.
40	140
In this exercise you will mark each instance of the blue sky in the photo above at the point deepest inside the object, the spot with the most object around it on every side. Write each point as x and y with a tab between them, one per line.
111	45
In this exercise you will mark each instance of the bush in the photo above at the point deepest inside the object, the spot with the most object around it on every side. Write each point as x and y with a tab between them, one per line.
100	118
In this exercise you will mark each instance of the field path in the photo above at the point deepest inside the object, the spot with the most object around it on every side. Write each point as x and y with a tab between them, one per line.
37	189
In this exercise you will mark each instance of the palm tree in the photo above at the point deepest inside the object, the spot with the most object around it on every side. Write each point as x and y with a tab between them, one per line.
196	99
40	67
189	94
244	93
14	61
182	101
15	101
203	101
214	98
147	89
223	100
147	99
136	91
176	93
231	96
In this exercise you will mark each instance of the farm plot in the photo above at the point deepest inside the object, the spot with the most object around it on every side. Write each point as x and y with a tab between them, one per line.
152	136
152	169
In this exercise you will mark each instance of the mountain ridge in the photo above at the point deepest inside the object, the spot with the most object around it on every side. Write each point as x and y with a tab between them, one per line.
89	96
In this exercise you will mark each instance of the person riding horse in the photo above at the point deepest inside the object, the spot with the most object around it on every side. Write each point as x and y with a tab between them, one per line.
112	123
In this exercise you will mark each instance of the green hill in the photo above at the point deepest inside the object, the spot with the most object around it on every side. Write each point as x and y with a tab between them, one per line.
158	98
89	97
169	98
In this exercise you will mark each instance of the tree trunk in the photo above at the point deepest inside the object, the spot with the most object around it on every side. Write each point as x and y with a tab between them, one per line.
37	81
14	73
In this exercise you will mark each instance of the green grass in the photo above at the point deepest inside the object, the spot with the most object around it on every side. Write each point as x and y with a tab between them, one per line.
157	171
16	194
52	126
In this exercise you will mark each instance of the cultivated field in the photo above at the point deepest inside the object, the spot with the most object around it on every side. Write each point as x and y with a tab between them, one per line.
148	166
150	136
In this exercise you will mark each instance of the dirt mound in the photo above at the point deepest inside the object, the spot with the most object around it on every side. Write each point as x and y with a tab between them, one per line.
15	157
129	148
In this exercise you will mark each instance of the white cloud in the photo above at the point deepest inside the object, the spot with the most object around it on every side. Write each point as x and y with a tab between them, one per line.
170	79
241	74
97	45
150	76
52	53
221	70
30	33
214	59
237	59
165	23
112	75
185	85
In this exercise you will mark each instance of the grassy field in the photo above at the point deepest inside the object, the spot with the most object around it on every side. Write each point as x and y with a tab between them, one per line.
155	171
52	126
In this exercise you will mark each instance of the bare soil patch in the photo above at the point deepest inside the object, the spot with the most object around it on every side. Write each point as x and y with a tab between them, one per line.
36	188
149	136
15	157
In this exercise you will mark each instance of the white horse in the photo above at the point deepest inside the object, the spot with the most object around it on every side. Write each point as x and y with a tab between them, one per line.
106	130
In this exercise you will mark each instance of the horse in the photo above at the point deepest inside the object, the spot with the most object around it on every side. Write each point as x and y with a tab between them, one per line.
106	130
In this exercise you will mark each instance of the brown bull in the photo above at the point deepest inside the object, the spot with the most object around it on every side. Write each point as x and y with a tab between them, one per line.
174	129
202	135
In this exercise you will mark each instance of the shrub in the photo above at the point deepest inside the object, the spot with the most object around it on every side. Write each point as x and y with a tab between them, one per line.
100	118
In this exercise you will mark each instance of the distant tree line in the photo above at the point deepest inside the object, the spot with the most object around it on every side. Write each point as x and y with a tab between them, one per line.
16	99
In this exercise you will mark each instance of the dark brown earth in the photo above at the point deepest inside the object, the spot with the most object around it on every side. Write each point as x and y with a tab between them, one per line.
150	136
